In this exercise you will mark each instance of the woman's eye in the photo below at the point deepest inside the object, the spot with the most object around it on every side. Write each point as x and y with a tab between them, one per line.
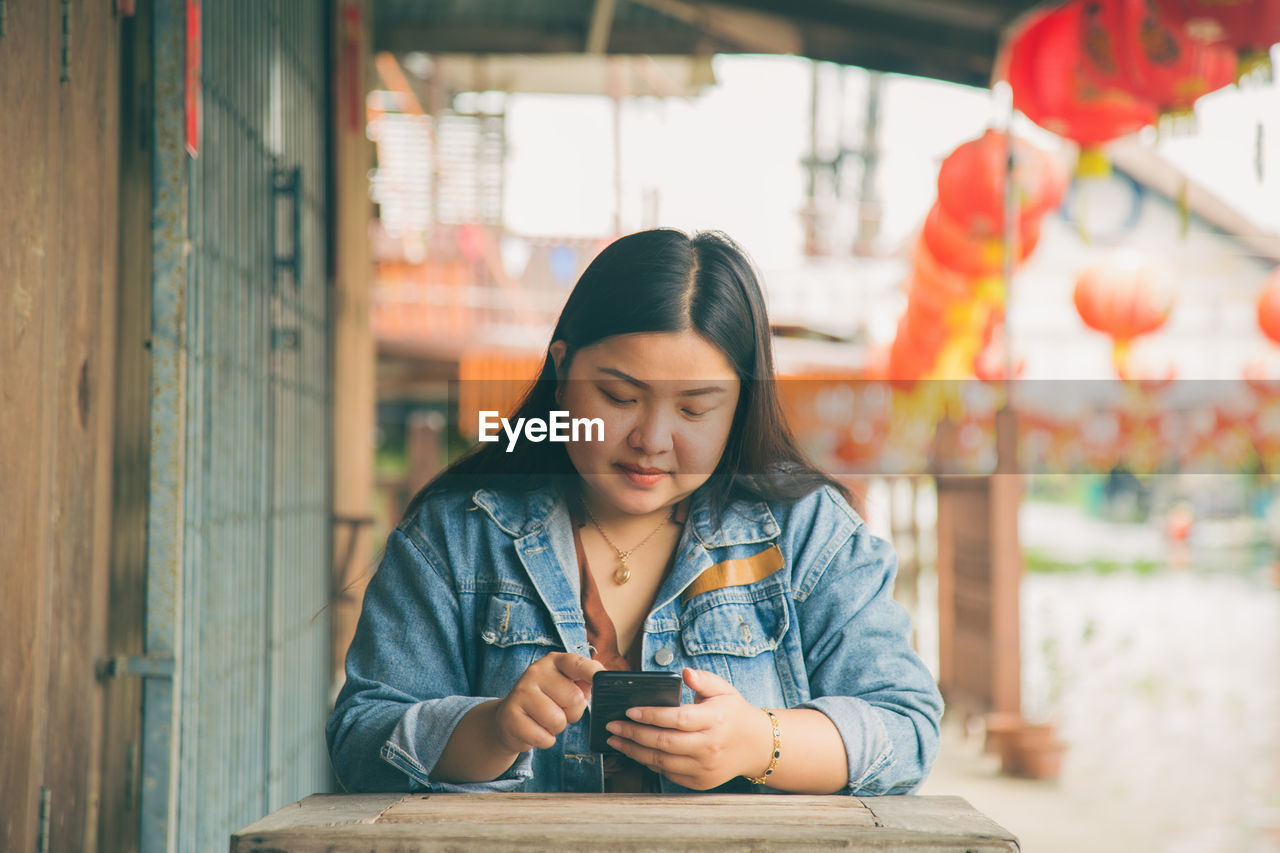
693	414
619	400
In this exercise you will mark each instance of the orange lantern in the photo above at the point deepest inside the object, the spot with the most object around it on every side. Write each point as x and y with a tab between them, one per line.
1129	45
910	357
1269	306
1124	297
924	321
939	286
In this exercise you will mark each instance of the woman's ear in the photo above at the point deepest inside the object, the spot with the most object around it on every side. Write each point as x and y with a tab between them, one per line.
557	351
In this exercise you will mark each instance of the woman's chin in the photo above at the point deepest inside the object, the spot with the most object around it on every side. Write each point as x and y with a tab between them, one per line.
635	500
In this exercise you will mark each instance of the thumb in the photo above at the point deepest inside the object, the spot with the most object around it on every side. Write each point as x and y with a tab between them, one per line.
707	684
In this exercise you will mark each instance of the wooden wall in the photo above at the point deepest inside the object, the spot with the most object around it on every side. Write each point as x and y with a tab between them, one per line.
58	288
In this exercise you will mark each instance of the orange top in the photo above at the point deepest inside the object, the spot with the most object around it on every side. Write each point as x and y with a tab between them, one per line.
621	774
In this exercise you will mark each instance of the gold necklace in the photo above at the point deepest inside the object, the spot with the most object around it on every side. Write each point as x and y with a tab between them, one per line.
622	574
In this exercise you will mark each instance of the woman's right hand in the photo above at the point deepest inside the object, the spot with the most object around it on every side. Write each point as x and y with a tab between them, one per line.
551	695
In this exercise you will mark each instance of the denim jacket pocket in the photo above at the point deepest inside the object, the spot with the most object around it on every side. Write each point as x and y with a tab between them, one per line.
515	632
741	622
513	620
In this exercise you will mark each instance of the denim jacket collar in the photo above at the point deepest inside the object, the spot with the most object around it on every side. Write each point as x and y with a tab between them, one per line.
743	522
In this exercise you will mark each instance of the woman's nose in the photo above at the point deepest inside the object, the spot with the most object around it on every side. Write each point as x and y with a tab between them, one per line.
651	434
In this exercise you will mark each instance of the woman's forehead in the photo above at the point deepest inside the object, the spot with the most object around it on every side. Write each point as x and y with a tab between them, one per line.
667	357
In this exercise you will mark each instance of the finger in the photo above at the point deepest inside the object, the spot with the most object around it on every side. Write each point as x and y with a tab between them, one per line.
670	741
707	684
545	712
688	718
578	668
527	730
567	695
655	760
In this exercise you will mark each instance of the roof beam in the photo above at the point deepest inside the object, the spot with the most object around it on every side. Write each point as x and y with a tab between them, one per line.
857	13
748	30
517	37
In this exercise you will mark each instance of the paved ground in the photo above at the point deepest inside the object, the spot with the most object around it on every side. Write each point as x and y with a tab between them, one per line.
1166	686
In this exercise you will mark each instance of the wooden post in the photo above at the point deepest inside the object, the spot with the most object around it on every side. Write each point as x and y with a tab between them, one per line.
902	524
979	575
353	347
1006	568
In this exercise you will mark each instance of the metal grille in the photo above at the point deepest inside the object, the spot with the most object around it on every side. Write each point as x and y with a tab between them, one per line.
252	684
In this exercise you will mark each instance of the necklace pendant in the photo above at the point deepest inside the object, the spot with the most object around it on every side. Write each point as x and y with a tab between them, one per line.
623	574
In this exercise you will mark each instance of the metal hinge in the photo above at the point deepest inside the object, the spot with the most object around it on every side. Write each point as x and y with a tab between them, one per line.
286	186
147	666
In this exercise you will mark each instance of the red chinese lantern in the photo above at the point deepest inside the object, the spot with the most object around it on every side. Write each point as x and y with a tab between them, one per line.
1044	65
924	321
910	357
971	183
1269	307
1124	297
938	285
974	252
1249	27
1129	45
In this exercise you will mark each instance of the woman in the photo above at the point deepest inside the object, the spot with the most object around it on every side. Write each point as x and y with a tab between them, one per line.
689	535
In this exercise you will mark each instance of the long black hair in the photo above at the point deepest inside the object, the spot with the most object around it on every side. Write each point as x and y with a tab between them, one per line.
662	280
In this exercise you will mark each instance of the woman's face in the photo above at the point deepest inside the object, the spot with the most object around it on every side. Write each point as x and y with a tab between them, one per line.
667	400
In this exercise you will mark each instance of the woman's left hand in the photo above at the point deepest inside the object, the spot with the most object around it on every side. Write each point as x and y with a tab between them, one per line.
701	745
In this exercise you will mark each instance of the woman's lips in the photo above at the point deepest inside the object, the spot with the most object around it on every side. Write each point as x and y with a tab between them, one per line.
641	476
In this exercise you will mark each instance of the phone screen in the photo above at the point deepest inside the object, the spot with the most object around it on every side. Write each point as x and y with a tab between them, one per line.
613	692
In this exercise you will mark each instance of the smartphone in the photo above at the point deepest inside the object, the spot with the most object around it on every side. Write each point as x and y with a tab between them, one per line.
614	691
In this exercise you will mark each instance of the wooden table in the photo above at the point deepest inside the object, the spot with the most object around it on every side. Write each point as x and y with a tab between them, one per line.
620	823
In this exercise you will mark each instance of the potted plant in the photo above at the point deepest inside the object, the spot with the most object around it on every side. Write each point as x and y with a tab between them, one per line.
1033	749
1001	728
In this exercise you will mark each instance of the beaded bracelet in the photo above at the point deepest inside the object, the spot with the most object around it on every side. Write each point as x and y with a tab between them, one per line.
777	751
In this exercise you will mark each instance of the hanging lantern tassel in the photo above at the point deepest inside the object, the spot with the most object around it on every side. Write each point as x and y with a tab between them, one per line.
1092	162
1120	356
1176	122
1254	68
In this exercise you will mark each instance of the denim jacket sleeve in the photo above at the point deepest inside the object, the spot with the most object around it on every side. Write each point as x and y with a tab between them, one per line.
863	673
407	686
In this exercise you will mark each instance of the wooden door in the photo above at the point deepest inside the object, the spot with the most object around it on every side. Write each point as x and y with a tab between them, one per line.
58	203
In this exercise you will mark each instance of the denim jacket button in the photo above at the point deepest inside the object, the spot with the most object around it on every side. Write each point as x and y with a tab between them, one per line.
663	657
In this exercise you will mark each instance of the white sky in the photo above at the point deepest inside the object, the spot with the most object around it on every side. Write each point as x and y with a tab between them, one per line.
731	158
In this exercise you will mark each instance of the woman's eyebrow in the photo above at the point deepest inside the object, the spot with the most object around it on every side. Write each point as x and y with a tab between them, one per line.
691	392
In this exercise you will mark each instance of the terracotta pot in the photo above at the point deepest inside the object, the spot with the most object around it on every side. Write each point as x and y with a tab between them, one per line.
1036	752
1001	728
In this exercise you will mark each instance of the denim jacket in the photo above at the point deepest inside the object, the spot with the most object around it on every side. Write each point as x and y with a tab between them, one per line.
476	586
